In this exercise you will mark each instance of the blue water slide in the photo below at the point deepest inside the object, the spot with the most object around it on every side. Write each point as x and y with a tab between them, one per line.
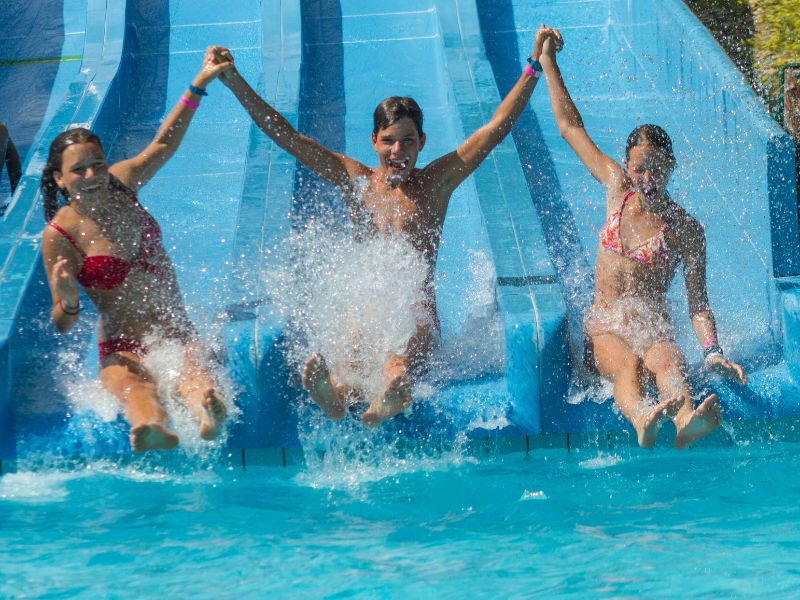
628	63
53	85
138	58
230	197
354	55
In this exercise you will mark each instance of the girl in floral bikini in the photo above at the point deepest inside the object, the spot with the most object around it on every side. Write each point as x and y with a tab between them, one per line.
645	237
106	241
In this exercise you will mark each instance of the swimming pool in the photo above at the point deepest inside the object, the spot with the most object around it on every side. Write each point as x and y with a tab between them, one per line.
79	516
621	522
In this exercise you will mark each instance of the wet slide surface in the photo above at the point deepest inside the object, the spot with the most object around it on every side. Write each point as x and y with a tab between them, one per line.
41	46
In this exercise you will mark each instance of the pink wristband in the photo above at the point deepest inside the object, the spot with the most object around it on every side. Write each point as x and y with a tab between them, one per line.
190	103
709	341
531	71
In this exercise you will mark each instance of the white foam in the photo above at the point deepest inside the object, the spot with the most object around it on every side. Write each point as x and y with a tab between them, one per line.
601	461
537	495
37	488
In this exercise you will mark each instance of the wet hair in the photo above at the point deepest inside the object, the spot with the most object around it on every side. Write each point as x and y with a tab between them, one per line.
653	135
48	186
394	108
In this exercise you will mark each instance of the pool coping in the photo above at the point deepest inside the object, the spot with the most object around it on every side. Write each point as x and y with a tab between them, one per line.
769	431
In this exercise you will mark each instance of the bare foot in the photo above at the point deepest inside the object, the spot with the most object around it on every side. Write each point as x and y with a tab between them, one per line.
152	436
650	422
701	421
394	401
317	380
214	413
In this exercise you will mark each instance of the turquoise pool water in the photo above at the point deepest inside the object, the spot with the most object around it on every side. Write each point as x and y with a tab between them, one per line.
714	522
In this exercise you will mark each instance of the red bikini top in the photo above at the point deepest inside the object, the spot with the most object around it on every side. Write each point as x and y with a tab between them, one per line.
106	272
652	252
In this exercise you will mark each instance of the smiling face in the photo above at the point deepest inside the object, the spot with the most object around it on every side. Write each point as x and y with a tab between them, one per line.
649	169
398	147
83	173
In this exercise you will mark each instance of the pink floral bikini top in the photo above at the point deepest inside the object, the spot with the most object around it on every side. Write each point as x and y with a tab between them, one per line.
652	252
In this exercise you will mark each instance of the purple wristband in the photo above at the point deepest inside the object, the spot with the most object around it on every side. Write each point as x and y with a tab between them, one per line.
190	103
531	71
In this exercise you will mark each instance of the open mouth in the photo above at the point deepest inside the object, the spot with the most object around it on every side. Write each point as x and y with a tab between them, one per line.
398	165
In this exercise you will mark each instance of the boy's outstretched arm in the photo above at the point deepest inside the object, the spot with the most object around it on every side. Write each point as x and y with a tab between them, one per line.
453	168
336	168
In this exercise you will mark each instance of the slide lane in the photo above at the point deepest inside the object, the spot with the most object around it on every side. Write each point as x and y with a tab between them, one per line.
632	63
195	198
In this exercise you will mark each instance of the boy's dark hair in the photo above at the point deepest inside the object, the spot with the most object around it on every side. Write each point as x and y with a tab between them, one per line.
394	108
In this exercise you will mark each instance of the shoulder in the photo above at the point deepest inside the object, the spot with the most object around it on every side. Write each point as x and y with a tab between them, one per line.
120	188
684	223
123	173
618	190
445	171
59	232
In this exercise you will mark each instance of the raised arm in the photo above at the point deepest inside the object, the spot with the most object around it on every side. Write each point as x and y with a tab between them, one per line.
453	168
137	171
570	124
703	323
336	168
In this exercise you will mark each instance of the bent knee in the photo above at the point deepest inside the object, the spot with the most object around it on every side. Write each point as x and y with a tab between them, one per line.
124	383
672	362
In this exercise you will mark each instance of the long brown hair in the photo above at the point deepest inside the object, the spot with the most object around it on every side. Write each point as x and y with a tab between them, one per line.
50	190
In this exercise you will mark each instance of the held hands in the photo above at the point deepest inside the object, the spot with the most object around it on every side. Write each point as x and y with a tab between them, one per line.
216	61
64	283
717	363
223	56
548	41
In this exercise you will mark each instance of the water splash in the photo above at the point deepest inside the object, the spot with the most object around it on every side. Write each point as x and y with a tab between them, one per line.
356	303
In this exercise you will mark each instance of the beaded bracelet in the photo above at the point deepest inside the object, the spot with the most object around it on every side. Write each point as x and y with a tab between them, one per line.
712	348
198	90
70	310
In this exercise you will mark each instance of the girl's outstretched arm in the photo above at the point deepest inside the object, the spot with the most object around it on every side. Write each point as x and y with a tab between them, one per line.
570	124
336	168
137	171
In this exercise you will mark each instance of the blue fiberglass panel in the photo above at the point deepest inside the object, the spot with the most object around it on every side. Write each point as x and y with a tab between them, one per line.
41	44
40	49
632	63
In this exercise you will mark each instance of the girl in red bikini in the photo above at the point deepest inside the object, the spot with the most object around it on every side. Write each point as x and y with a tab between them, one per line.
104	240
645	236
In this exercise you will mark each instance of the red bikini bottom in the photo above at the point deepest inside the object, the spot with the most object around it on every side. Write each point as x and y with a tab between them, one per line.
109	347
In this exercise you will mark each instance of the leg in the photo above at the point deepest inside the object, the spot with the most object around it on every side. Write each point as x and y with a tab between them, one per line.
9	156
202	398
616	361
666	361
318	381
123	375
397	371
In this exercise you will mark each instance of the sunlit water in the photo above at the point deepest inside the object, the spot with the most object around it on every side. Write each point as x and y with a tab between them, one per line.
707	522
